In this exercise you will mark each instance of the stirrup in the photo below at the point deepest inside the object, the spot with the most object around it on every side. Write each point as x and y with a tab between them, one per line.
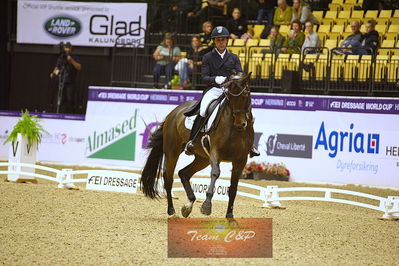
189	147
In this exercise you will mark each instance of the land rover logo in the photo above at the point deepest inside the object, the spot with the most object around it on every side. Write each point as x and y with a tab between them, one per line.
62	26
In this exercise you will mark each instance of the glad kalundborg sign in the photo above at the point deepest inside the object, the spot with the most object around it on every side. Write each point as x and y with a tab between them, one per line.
81	23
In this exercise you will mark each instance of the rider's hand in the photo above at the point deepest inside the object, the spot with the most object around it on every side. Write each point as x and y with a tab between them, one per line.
220	79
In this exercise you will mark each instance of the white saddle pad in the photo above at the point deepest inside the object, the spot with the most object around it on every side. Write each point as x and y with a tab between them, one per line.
190	119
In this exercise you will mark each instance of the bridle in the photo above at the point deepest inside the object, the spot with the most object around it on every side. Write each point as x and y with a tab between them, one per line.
244	89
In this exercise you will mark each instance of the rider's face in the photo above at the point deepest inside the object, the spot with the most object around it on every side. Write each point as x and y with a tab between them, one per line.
220	43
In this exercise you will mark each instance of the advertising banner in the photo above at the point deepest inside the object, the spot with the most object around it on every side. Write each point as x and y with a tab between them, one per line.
347	140
81	23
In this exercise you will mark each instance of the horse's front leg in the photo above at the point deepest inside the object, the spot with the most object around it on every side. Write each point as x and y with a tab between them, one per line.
238	166
206	207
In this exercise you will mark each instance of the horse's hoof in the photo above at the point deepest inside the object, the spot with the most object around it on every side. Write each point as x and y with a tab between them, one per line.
206	209
186	209
229	215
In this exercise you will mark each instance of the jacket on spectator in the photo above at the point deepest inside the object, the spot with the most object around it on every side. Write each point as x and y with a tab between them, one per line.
371	40
268	4
294	44
306	15
281	16
237	26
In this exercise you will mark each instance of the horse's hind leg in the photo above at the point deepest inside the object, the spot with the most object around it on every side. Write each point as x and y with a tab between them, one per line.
185	174
170	165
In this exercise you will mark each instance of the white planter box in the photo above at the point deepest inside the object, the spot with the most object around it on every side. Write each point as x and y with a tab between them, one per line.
21	152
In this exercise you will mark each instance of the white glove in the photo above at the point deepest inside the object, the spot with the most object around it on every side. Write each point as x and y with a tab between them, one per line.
220	79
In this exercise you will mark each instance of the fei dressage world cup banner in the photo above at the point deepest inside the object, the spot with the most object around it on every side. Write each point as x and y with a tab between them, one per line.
81	23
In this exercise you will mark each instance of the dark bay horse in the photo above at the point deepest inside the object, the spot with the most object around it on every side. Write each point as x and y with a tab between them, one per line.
230	141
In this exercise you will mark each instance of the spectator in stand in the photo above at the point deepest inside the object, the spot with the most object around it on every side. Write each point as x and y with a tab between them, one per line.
296	37
191	64
166	56
276	41
237	26
370	40
214	8
266	7
177	14
352	40
283	13
302	11
311	40
205	35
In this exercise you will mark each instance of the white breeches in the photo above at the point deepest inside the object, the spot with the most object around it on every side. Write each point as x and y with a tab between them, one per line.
210	95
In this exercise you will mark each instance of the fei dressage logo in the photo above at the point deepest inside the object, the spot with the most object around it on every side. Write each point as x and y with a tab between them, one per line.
349	141
117	142
62	26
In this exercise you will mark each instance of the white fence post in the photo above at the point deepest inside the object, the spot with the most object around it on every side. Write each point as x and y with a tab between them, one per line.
391	208
271	196
65	174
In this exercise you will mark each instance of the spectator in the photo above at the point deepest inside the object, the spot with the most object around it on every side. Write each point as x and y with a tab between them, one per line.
266	7
166	55
311	40
66	68
248	35
276	41
370	40
352	40
302	11
283	13
214	8
205	35
237	26
296	37
191	64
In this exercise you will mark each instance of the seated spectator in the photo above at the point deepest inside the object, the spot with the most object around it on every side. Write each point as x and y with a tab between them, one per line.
175	16
296	37
355	37
276	41
283	13
248	35
266	7
214	8
205	35
192	63
311	40
370	40
302	11
166	55
237	26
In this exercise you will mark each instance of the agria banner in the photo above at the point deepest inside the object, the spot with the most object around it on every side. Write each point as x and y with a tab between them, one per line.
81	23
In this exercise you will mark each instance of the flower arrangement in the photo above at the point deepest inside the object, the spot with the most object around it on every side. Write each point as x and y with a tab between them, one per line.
268	169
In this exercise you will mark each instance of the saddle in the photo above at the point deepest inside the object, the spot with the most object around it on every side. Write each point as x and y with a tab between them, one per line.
195	107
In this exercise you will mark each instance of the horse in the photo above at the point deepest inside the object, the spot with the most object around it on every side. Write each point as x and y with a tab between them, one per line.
229	141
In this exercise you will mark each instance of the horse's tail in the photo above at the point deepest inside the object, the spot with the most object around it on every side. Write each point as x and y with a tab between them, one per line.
153	167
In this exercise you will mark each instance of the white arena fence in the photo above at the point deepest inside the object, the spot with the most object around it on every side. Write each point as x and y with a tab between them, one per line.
270	195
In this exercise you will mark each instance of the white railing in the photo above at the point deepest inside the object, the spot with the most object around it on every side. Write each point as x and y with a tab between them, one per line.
270	195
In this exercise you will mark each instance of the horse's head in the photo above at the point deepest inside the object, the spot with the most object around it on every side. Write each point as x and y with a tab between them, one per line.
238	96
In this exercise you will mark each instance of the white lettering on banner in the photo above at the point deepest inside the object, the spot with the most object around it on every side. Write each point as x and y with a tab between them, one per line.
113	181
200	187
99	24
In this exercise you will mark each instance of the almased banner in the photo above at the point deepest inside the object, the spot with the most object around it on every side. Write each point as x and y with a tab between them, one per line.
81	23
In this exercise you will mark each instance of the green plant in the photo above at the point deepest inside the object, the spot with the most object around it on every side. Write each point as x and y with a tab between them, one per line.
29	127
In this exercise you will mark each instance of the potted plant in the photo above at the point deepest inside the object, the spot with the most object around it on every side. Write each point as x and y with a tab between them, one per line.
268	171
23	139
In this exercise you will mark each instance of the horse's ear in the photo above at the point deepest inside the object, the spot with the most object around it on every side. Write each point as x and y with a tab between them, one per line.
246	79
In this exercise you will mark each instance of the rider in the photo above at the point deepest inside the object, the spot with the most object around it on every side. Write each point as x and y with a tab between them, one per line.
217	65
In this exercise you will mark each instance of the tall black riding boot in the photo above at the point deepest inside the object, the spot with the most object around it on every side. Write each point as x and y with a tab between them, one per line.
199	120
